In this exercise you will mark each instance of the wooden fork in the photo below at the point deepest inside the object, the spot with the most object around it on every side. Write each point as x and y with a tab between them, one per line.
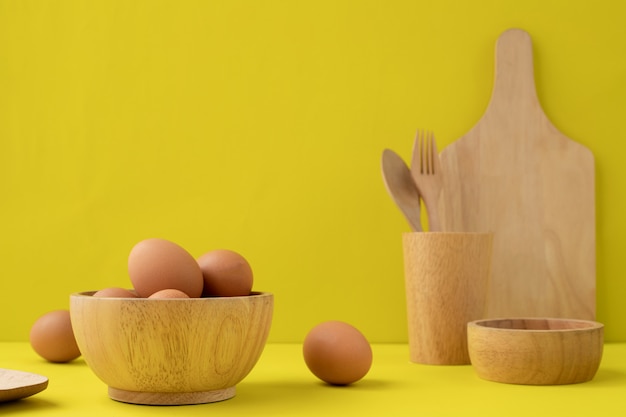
427	174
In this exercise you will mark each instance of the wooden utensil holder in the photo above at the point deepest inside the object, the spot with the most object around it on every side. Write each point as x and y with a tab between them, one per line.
447	277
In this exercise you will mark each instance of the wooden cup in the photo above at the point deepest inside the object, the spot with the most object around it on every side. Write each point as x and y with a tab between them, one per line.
447	277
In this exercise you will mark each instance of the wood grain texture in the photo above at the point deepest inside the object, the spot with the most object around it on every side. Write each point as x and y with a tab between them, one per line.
446	279
169	350
516	175
535	351
171	398
15	385
400	186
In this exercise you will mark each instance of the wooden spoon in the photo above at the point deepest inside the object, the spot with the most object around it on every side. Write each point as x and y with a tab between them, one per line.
401	188
17	384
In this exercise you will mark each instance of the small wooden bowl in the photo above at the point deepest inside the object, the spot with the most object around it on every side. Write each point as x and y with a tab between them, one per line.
535	351
171	351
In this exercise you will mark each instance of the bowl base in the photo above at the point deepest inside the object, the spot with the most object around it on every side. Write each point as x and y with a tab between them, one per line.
171	398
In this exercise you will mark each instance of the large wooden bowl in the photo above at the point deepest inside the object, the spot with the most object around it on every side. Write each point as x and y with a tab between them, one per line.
171	351
535	351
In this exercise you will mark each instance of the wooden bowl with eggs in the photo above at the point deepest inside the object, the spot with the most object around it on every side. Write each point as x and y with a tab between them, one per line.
171	351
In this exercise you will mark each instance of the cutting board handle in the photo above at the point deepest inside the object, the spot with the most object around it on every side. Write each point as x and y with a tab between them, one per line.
514	81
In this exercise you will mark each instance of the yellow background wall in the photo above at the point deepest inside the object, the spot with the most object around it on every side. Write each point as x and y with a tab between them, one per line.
258	126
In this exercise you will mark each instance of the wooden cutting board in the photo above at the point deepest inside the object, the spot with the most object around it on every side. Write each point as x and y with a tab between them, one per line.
515	174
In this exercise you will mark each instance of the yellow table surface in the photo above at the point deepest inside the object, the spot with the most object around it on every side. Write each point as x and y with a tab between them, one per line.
281	384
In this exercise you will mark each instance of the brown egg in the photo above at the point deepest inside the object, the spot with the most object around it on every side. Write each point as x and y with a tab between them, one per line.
52	337
226	273
169	293
158	264
115	292
337	353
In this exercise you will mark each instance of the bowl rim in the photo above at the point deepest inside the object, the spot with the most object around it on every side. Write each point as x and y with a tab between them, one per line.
253	294
585	325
